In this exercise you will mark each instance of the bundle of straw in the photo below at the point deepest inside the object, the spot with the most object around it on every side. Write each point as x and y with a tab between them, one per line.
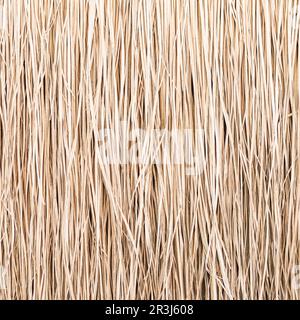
149	149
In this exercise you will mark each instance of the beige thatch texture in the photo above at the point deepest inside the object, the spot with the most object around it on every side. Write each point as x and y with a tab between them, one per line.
73	226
